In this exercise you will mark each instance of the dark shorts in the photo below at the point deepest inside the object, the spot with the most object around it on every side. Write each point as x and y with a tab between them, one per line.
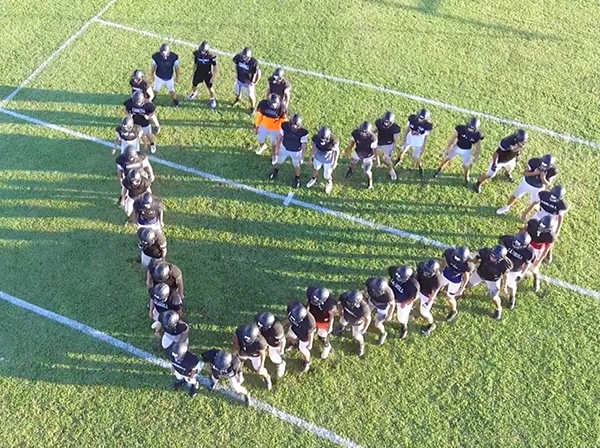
200	78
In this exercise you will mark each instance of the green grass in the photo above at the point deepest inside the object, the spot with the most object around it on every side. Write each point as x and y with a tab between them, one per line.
529	380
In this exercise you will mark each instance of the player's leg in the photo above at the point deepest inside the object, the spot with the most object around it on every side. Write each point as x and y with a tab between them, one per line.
387	150
343	326
466	163
494	292
316	167
485	176
451	291
354	159
236	384
519	192
417	155
357	334
304	348
367	165
403	313
195	83
261	135
170	84
328	176
378	324
425	310
323	331
273	135
261	370
510	287
296	158
509	167
237	91
452	153
276	357
252	97
401	154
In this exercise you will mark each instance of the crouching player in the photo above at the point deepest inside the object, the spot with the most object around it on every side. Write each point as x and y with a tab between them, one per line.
356	313
248	343
321	305
406	289
185	366
223	366
176	330
302	331
381	298
455	275
272	330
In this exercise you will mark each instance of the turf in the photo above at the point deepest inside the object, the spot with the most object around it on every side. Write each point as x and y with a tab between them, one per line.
530	380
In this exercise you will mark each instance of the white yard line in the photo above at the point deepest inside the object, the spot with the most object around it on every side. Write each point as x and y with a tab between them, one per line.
420	99
280	197
99	335
53	56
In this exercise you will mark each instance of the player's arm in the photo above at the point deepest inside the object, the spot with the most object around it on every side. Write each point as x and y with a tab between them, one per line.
477	152
286	95
154	120
256	76
149	170
451	141
405	134
495	160
162	224
533	205
434	294
367	321
194	68
257	120
559	221
151	309
262	356
117	141
152	70
349	146
313	150
235	346
545	180
176	67
463	283
529	172
149	93
215	70
278	142
336	156
303	150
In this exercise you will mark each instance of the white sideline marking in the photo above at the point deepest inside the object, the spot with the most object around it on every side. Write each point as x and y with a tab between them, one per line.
420	99
99	335
53	56
288	199
280	197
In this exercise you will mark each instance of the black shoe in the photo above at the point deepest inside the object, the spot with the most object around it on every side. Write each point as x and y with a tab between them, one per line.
451	315
267	382
403	332
119	201
247	400
296	183
348	173
437	173
548	258
193	390
511	303
427	330
536	283
274	174
305	366
397	162
466	181
477	187
421	172
251	111
381	338
177	384
497	314
213	386
175	103
509	177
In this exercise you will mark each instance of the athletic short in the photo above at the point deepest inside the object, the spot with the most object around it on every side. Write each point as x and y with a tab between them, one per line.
324	328
541	213
452	287
263	133
508	166
357	330
168	83
147	130
200	78
416	153
327	168
145	260
155	315
169	339
367	162
125	143
255	360
403	312
381	313
128	204
511	279
156	226
492	286
387	150
188	379
537	253
283	155
425	306
464	154
303	346
240	88
524	188
415	141
276	353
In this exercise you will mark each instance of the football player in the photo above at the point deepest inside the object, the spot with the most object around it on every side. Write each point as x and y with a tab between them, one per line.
493	264
139	84
539	173
270	116
461	144
406	289
153	245
505	157
322	306
162	299
176	330
224	365
354	311
542	237
248	343
280	86
430	283
248	74
415	136
549	203
185	366
134	186
129	160
520	254
364	142
387	135
164	64
143	113
455	275
164	272
272	330
149	212
381	298
325	153
301	331
291	143
204	71
127	134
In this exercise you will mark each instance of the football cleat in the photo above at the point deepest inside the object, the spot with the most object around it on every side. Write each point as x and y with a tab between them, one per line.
381	338
428	329
497	314
393	175
311	182
511	303
296	183
451	315
273	175
503	210
328	187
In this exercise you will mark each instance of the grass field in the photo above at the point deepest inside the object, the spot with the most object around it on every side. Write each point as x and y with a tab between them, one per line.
528	380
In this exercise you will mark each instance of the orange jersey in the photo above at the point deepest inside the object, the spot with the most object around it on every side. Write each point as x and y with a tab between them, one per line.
270	118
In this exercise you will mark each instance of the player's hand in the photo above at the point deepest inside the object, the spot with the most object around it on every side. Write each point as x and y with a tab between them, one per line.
494	167
255	130
176	79
150	314
157	130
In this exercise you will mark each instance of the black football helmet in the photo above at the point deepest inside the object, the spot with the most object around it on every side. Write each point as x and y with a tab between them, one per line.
138	98
130	152
160	292
401	273
352	299
521	136
498	252
127	122
430	268
137	76
179	350
388	119
473	124
365	128
222	361
547	161
324	134
296	122
423	115
461	254
274	101
377	287
161	272
250	333
204	47
246	54
147	236
557	193
297	314
164	50
146	200
317	296
169	320
278	74
521	240
264	320
135	177
547	223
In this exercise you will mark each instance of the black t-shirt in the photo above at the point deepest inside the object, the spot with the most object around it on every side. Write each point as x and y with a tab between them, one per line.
518	256
324	149
186	365
172	303
148	215
307	327
556	208
490	270
135	192
142	86
454	270
235	367
418	127
264	107
538	237
365	144
278	87
509	148
165	66
141	114
385	136
175	275
274	335
466	139
128	135
356	315
428	284
139	162
245	70
536	181
323	313
204	63
180	328
383	301
293	139
157	250
254	349
406	291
